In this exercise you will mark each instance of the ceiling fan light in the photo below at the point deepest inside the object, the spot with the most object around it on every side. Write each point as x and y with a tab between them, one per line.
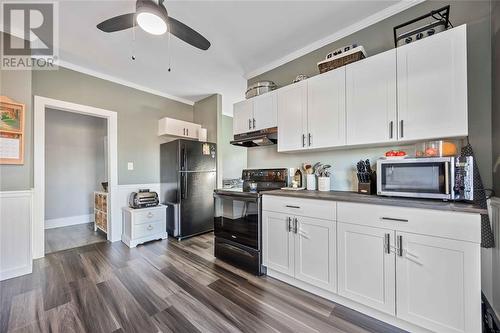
151	23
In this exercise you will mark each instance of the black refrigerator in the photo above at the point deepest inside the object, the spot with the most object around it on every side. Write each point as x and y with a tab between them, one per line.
188	173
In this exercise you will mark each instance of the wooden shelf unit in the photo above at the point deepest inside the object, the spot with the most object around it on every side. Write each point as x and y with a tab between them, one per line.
101	211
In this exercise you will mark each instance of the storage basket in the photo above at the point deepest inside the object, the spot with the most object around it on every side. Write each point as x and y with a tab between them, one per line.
343	59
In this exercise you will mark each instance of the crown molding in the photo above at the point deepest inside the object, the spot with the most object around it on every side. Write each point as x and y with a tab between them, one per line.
370	20
126	83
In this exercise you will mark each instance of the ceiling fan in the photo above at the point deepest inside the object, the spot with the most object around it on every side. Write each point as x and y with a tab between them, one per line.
153	18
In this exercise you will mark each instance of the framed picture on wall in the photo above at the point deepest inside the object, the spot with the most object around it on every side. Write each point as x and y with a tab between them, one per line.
12	115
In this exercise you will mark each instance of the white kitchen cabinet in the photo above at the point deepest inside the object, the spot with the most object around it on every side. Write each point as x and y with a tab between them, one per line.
432	86
178	128
315	252
326	112
265	111
292	117
255	114
242	117
438	283
371	99
278	243
366	266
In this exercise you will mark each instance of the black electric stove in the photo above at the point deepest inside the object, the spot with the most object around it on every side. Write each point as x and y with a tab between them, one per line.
237	222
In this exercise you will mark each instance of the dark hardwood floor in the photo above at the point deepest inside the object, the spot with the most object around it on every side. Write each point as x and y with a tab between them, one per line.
162	286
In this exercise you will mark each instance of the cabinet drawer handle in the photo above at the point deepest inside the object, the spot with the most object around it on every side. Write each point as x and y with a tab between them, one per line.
289	223
401	127
150	215
309	138
249	124
150	227
393	219
303	140
254	123
295	225
290	206
391	129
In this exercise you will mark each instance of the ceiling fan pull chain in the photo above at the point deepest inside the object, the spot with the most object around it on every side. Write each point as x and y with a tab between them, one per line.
169	51
133	40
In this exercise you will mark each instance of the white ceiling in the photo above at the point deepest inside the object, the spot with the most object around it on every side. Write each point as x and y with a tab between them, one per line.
246	36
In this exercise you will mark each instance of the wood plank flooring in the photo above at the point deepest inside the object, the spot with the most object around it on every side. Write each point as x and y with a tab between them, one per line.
63	238
166	286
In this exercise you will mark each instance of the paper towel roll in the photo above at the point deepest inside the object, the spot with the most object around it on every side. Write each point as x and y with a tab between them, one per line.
202	134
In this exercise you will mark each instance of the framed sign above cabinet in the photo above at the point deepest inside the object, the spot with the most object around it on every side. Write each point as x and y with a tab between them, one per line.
12	116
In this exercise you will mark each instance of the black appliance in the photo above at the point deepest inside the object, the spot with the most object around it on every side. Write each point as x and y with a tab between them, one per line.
142	199
188	175
238	225
264	137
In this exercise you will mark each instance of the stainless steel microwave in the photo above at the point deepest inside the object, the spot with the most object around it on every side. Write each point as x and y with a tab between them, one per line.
446	178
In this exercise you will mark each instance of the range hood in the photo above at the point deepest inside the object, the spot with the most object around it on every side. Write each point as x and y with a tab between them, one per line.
265	137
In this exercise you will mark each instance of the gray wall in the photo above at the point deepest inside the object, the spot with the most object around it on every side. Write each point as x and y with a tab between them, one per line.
16	84
234	158
379	38
138	114
206	113
74	162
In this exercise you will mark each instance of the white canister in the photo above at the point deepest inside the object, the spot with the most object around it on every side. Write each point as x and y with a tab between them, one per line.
324	184
311	182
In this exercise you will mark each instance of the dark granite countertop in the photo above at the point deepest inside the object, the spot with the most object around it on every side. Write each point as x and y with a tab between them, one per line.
380	200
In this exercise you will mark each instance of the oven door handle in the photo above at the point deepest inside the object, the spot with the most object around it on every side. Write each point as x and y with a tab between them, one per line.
447	178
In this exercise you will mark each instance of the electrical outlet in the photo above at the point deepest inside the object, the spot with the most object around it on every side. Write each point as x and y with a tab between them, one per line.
130	166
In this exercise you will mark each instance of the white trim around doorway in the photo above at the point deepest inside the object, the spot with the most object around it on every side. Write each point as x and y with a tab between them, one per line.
40	106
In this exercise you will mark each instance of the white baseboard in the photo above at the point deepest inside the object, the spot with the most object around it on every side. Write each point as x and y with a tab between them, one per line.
67	221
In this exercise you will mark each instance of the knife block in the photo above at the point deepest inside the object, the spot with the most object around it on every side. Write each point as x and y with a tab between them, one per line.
369	187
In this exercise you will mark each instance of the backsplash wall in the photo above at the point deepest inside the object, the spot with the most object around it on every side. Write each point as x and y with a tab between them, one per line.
343	161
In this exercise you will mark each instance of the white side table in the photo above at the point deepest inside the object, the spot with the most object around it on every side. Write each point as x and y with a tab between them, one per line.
144	225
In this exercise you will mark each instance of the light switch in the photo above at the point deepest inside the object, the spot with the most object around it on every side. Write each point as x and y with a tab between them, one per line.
130	166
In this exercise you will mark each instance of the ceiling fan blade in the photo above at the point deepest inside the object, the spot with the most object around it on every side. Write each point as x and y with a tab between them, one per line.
182	31
117	23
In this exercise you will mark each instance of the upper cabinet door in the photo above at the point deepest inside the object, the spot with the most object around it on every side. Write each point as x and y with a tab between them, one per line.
315	252
265	111
366	266
438	283
292	117
371	99
326	110
432	86
243	117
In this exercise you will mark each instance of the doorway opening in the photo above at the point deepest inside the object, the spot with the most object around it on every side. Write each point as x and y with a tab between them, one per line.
75	152
75	168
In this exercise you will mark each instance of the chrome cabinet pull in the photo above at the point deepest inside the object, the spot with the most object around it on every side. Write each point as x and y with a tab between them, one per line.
187	131
309	138
150	227
289	222
400	246
183	131
387	243
393	219
150	215
391	129
249	124
290	206
254	123
401	126
303	140
295	225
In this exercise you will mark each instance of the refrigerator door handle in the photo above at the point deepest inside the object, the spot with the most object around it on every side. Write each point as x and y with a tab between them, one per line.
183	185
184	158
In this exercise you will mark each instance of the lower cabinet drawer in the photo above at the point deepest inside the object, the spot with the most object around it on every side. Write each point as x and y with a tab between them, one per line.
241	256
320	209
149	216
148	229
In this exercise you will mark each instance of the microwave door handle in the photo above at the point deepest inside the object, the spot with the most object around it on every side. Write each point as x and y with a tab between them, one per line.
447	178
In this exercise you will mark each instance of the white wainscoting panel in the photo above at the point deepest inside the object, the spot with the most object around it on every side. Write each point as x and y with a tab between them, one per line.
15	233
67	221
495	223
124	192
